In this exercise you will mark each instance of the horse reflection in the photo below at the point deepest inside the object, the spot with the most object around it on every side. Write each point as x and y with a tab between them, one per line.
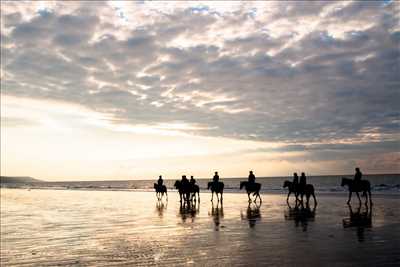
189	210
161	207
360	220
300	214
253	214
217	212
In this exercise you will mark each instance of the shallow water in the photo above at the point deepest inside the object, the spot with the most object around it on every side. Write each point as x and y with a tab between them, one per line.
94	228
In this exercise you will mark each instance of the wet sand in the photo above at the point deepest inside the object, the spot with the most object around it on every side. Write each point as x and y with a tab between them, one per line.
106	228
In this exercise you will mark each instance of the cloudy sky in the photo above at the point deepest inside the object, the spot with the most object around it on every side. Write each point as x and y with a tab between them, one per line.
130	90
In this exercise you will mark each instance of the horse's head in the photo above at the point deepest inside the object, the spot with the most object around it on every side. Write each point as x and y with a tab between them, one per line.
155	186
286	184
242	184
209	185
177	184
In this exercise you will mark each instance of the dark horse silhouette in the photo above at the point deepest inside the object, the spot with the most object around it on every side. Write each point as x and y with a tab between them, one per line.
217	188
360	186
160	191
308	191
360	220
183	189
252	188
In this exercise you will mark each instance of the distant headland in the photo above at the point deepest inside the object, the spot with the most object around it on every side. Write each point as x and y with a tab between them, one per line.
18	179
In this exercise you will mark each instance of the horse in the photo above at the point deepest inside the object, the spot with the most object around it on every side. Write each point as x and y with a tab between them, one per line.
361	186
308	191
292	188
184	190
160	191
217	188
252	188
194	188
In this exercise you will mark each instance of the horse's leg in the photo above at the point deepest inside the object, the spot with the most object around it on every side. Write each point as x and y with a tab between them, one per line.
308	200
358	196
288	195
370	199
366	197
221	197
212	196
248	194
350	193
315	200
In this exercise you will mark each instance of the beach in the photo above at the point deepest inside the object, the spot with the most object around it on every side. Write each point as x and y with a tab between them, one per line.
110	228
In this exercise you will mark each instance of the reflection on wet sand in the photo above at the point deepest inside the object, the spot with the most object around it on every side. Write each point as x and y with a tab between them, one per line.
253	214
359	219
300	214
217	212
161	207
189	210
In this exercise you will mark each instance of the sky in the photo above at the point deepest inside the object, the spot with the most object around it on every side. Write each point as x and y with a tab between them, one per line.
133	90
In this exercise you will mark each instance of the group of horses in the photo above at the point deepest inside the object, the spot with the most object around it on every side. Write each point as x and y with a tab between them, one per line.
191	192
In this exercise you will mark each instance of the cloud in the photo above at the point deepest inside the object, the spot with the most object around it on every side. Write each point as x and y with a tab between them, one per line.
295	72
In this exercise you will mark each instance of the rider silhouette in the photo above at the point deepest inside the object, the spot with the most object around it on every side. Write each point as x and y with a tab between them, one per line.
357	177
295	180
303	181
252	178
192	180
185	181
160	181
216	177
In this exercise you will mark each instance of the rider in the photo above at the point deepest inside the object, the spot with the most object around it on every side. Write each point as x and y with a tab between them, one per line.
216	177
192	180
252	178
160	181
357	177
303	181
185	181
295	180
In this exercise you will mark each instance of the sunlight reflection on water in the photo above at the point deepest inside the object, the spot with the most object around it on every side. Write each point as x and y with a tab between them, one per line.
49	227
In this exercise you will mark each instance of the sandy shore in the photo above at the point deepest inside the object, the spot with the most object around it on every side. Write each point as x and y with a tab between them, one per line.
98	228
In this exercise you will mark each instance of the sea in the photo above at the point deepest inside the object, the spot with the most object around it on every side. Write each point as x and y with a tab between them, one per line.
381	184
